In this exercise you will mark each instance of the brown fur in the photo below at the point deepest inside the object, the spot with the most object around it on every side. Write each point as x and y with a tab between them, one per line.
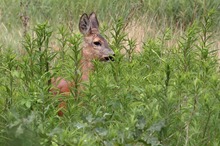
95	47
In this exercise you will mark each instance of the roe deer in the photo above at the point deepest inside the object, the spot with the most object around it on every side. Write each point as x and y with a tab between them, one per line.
95	47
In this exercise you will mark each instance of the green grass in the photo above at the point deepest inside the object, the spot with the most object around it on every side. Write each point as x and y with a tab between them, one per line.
168	94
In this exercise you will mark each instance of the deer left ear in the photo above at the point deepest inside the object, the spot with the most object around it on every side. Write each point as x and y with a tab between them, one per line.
93	20
84	24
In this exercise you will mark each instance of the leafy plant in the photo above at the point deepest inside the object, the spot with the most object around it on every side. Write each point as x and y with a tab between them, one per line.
168	94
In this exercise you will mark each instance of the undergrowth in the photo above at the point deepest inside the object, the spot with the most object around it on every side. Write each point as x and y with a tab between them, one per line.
161	96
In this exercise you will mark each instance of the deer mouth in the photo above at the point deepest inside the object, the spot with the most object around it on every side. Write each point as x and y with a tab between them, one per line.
108	58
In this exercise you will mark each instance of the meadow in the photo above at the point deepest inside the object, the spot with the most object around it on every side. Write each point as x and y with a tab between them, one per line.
162	89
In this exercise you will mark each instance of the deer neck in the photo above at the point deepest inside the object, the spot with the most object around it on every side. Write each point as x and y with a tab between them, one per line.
86	65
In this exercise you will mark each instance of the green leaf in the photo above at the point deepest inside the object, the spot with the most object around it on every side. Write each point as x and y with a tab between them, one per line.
28	104
101	131
157	126
19	131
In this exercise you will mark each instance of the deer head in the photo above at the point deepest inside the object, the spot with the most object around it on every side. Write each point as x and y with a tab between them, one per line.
95	46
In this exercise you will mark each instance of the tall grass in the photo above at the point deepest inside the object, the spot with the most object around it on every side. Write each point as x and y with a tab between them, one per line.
15	15
163	95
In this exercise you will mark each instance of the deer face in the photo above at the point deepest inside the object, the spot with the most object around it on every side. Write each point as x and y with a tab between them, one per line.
95	46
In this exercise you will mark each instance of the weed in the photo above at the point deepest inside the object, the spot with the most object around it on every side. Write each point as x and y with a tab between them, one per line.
168	94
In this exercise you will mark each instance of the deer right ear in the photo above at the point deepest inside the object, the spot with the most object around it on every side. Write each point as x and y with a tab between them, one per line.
84	24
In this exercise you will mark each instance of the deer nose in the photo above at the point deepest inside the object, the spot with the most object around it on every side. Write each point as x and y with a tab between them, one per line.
108	58
112	57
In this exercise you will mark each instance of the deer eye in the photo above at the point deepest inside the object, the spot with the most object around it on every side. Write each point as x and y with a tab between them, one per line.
97	43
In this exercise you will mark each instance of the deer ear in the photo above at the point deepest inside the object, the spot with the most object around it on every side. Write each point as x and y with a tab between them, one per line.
93	20
84	24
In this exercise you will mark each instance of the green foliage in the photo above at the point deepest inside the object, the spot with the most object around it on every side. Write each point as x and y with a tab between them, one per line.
161	96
